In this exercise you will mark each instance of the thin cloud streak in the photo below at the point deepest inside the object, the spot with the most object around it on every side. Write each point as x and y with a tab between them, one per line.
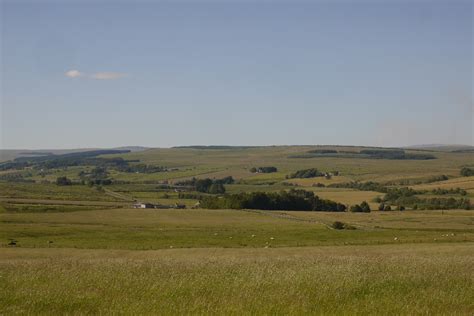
73	73
108	75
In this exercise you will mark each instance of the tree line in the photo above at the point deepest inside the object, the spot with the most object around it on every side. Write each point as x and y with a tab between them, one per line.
306	173
292	200
211	186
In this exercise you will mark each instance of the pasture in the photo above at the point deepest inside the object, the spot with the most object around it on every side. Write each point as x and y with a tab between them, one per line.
423	279
136	229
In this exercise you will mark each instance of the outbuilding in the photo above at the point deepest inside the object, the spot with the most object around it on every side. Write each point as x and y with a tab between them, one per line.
143	205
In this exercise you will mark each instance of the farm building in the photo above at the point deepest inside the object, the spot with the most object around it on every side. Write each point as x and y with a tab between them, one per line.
143	205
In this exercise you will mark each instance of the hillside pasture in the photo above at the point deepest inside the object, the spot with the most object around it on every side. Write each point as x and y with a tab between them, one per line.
466	183
46	191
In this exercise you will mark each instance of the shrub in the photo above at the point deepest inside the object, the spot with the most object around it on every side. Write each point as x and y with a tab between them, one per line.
341	225
63	181
356	208
263	170
365	207
338	225
467	172
362	208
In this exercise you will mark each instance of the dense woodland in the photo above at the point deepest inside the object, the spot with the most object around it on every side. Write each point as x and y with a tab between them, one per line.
212	186
293	200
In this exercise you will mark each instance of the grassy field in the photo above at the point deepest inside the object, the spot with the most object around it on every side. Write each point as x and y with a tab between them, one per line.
52	192
421	279
236	262
152	229
84	250
239	160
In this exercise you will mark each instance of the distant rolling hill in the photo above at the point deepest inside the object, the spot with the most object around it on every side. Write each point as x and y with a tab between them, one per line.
443	147
10	154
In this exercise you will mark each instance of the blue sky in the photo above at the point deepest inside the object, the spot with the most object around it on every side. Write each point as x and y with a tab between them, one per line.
104	74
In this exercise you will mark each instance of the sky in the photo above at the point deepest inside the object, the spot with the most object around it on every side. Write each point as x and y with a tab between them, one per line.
82	74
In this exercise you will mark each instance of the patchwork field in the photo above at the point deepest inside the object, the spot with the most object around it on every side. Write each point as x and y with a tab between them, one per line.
80	247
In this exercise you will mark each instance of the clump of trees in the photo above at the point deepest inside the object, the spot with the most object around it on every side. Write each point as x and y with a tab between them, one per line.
18	176
192	196
212	186
395	194
225	180
442	177
209	186
216	188
407	197
394	154
341	225
63	181
441	204
431	179
99	182
97	176
361	186
141	168
263	169
362	208
306	173
440	191
322	151
292	200
467	172
386	208
9	165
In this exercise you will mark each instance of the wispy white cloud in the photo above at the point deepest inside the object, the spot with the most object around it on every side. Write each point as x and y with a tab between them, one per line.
108	75
73	73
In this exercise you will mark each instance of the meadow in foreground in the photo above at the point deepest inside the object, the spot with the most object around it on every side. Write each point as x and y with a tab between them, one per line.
423	279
